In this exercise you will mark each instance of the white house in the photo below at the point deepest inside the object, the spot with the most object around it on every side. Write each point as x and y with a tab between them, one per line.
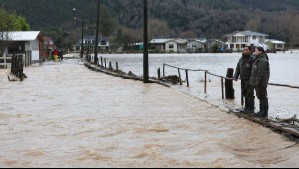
195	44
30	43
170	45
238	40
89	43
275	44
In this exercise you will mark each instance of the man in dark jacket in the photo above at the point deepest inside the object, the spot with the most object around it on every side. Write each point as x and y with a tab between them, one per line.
243	71
260	75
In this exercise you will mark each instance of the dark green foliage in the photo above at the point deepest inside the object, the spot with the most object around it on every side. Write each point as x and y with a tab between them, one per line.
205	18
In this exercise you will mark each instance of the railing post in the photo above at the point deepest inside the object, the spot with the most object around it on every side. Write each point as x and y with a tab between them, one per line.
180	79
229	88
206	73
101	61
105	63
116	66
164	71
110	66
159	73
187	78
222	88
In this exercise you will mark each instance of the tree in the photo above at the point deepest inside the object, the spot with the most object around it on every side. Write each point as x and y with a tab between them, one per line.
10	22
107	24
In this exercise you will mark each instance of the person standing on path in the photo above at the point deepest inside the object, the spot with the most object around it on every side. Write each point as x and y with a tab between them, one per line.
260	76
243	71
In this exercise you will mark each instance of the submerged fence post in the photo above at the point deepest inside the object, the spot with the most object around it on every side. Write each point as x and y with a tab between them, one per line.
206	73
222	89
229	88
164	71
180	79
187	78
159	73
110	66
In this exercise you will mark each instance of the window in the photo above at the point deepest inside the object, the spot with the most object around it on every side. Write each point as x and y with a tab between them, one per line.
103	43
243	46
232	46
171	46
254	37
234	39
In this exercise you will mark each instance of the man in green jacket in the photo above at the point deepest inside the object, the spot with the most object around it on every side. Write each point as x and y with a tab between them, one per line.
243	71
260	76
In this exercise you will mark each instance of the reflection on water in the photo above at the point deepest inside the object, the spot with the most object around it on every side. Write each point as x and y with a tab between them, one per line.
65	115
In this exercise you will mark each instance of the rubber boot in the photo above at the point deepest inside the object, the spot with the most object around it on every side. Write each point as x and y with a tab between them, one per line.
246	106
264	108
251	106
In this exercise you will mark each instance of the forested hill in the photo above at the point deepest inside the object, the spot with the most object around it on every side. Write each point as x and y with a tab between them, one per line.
183	18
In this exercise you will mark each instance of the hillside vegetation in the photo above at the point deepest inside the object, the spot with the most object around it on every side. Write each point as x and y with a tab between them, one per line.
168	18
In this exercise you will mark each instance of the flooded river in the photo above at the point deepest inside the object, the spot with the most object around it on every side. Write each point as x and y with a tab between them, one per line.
284	70
65	115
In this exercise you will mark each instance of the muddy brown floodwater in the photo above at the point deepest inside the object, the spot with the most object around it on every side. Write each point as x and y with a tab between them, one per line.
65	115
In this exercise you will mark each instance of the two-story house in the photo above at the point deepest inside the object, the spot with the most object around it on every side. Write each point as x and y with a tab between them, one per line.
89	43
238	40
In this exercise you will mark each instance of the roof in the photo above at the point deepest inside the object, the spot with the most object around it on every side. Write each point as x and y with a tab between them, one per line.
23	36
248	33
161	41
275	41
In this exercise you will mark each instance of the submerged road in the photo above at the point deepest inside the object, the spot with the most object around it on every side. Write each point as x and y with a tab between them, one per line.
65	115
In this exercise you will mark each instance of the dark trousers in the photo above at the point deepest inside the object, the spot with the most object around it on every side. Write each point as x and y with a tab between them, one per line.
261	92
247	89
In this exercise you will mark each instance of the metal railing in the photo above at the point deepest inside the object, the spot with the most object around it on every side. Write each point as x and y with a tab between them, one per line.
228	80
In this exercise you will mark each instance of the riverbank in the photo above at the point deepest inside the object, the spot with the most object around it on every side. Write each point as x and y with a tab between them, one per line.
65	115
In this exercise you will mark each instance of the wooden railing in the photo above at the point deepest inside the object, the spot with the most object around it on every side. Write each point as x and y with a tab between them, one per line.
5	62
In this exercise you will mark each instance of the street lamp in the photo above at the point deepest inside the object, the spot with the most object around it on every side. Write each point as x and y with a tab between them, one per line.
82	34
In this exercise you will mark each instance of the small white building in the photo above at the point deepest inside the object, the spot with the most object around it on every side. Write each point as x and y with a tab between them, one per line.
170	45
275	45
238	40
30	43
195	44
89	43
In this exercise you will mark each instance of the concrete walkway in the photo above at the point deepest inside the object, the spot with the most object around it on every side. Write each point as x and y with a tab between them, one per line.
65	115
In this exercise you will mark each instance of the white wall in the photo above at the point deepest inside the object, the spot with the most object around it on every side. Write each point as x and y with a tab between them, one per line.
35	55
175	46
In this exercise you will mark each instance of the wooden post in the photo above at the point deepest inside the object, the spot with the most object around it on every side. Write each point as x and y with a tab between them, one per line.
116	66
180	78
101	61
206	73
187	78
105	63
222	89
110	66
164	71
159	73
229	88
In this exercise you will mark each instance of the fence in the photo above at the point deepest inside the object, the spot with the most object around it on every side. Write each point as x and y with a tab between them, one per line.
229	90
6	60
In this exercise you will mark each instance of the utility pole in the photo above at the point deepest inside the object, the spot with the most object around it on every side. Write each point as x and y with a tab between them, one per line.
97	33
145	46
82	36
